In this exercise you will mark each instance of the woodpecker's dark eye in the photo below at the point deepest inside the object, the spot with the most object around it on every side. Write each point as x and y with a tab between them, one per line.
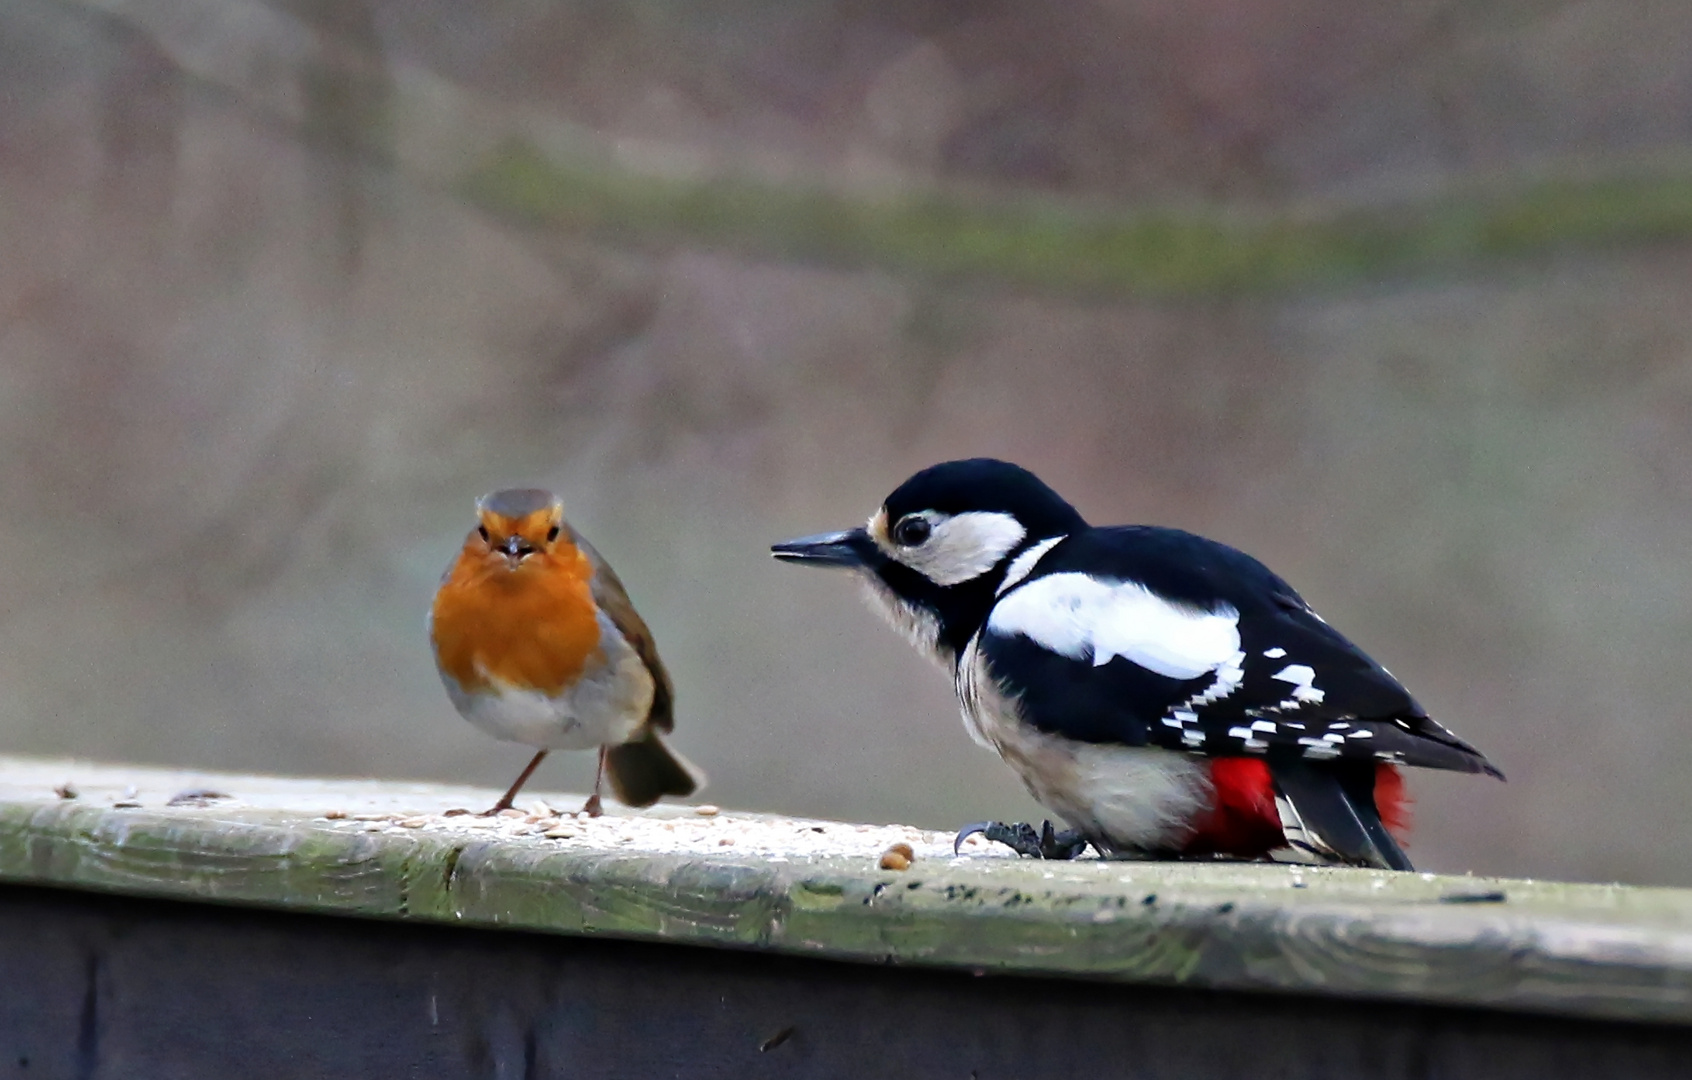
912	530
552	533
483	529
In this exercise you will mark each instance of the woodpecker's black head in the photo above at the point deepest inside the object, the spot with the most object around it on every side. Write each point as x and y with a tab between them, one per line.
937	550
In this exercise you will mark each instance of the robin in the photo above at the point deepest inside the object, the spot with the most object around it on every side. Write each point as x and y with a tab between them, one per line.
537	643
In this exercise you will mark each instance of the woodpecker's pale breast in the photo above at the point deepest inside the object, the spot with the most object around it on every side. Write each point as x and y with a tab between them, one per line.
1134	799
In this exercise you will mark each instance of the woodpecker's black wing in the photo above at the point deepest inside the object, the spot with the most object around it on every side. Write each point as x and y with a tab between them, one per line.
1148	636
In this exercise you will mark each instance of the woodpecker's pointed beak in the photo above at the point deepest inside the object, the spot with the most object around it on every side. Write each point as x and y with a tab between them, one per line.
853	549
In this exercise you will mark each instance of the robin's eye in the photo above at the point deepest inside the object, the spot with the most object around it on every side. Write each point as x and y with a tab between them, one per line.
483	529
552	533
912	530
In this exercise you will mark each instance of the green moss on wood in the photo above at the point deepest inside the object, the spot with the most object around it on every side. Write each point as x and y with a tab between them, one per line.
1583	950
1046	244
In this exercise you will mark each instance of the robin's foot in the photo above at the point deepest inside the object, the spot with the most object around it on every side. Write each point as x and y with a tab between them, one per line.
1021	838
593	807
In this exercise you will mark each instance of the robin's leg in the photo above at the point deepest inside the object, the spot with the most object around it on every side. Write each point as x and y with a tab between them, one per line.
593	808
504	802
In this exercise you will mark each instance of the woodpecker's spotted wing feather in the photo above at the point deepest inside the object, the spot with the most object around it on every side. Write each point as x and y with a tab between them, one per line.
1195	646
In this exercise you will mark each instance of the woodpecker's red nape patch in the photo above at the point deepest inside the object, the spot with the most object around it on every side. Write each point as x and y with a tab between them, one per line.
1393	802
1243	821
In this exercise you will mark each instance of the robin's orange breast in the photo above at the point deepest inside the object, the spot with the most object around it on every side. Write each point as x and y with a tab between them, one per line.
534	627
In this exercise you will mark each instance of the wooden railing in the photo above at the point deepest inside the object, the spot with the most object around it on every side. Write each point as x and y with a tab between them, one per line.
696	876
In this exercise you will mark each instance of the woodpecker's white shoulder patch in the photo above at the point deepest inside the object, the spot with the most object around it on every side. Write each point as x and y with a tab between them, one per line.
1083	617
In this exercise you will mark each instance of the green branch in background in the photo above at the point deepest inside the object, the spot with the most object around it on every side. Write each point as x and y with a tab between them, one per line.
1047	244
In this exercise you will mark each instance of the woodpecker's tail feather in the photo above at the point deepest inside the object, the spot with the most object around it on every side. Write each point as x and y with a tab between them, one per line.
1335	805
646	770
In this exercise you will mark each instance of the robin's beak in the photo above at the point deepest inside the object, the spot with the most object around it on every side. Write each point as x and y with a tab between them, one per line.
853	549
515	549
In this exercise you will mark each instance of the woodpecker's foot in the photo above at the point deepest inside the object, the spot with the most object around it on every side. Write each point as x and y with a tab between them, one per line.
1021	838
593	807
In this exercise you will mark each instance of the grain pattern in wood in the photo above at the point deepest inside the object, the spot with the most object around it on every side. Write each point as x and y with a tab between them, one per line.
815	888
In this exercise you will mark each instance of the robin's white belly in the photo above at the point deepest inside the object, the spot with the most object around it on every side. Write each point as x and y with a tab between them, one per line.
606	706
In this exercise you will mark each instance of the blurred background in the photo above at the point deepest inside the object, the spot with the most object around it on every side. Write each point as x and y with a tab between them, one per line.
1397	297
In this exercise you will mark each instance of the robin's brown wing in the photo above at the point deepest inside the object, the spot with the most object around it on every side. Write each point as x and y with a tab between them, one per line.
612	599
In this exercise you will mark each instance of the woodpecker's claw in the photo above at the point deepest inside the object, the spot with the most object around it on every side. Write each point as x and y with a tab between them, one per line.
968	831
1021	838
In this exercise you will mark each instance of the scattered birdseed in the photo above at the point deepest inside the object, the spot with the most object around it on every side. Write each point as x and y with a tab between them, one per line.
334	815
511	812
66	790
897	857
707	810
682	829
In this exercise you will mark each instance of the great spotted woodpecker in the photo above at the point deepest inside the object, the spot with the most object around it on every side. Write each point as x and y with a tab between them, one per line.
1165	694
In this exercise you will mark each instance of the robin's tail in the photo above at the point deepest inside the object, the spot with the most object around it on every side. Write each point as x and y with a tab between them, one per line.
644	771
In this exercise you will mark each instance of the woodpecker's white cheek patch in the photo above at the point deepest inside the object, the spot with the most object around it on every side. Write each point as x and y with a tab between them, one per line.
961	547
1083	618
1024	564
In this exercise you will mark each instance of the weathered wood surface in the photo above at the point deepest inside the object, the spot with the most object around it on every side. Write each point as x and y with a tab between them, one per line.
814	888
